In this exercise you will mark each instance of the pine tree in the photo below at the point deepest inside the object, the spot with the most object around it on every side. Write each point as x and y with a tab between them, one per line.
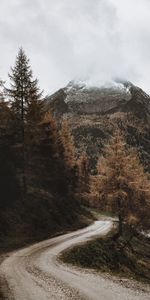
23	91
121	185
24	97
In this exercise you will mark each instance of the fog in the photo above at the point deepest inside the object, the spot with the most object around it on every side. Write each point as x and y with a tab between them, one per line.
92	40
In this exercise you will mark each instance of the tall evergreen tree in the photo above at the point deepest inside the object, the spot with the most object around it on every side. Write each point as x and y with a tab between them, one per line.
24	95
24	90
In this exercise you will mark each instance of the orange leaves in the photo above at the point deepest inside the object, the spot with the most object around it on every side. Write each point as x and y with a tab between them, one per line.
121	183
66	142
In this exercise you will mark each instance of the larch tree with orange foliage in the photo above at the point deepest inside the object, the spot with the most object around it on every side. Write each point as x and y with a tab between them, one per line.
83	177
67	152
67	147
51	133
121	185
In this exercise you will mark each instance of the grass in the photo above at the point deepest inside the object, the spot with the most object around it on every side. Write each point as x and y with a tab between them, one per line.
108	255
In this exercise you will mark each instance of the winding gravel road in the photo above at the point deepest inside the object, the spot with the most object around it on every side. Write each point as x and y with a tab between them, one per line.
34	273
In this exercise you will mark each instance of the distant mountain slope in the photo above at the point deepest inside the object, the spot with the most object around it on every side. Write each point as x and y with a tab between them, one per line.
95	112
77	98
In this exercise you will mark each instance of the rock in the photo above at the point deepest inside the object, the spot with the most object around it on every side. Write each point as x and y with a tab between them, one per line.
95	112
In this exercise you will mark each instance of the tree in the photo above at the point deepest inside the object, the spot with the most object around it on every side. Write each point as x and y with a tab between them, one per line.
23	91
83	177
9	186
51	132
5	121
66	143
1	91
67	155
121	185
48	166
24	96
5	117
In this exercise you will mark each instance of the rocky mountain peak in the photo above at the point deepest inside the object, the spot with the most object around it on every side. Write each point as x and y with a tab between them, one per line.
83	98
94	112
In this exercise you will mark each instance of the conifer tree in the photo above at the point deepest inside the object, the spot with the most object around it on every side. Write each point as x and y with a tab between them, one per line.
67	147
67	155
1	91
51	132
121	185
83	176
5	116
24	97
23	91
55	175
5	121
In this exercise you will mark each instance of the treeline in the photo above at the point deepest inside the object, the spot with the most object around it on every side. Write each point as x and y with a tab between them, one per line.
40	172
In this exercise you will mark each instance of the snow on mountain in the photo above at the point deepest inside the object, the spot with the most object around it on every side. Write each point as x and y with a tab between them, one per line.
78	91
83	97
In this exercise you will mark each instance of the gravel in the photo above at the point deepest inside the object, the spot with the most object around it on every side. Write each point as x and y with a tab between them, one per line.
35	273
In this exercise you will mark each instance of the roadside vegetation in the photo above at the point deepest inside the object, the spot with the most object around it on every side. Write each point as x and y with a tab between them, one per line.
120	188
45	182
40	172
129	256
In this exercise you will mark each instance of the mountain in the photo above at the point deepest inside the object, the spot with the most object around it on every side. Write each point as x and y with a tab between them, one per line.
95	112
79	98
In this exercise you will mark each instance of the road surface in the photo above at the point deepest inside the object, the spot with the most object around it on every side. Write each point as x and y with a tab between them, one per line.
34	273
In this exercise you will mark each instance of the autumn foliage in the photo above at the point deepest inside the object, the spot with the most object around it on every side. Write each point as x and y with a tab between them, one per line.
39	157
66	143
121	185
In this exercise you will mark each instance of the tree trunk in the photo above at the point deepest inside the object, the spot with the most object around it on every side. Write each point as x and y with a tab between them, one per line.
23	146
120	226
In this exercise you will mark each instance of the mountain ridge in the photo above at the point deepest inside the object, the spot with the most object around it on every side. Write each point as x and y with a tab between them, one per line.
95	113
79	99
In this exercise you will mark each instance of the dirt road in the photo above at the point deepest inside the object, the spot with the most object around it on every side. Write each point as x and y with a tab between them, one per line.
34	273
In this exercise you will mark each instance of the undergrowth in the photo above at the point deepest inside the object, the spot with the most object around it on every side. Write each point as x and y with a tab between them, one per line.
124	257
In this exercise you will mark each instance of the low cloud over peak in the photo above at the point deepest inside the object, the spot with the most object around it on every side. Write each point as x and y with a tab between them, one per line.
85	39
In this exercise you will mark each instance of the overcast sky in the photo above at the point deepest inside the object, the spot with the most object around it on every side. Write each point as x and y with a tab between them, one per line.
93	40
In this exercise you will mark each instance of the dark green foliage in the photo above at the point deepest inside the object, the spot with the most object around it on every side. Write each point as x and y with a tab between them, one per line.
9	187
36	185
49	206
24	96
23	90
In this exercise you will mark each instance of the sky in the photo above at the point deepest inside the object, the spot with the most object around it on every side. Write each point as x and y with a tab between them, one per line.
91	40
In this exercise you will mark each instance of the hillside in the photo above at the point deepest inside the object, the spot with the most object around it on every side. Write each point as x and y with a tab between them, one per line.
37	199
95	112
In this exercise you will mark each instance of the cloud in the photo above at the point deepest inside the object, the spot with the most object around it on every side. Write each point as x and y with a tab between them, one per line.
84	39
